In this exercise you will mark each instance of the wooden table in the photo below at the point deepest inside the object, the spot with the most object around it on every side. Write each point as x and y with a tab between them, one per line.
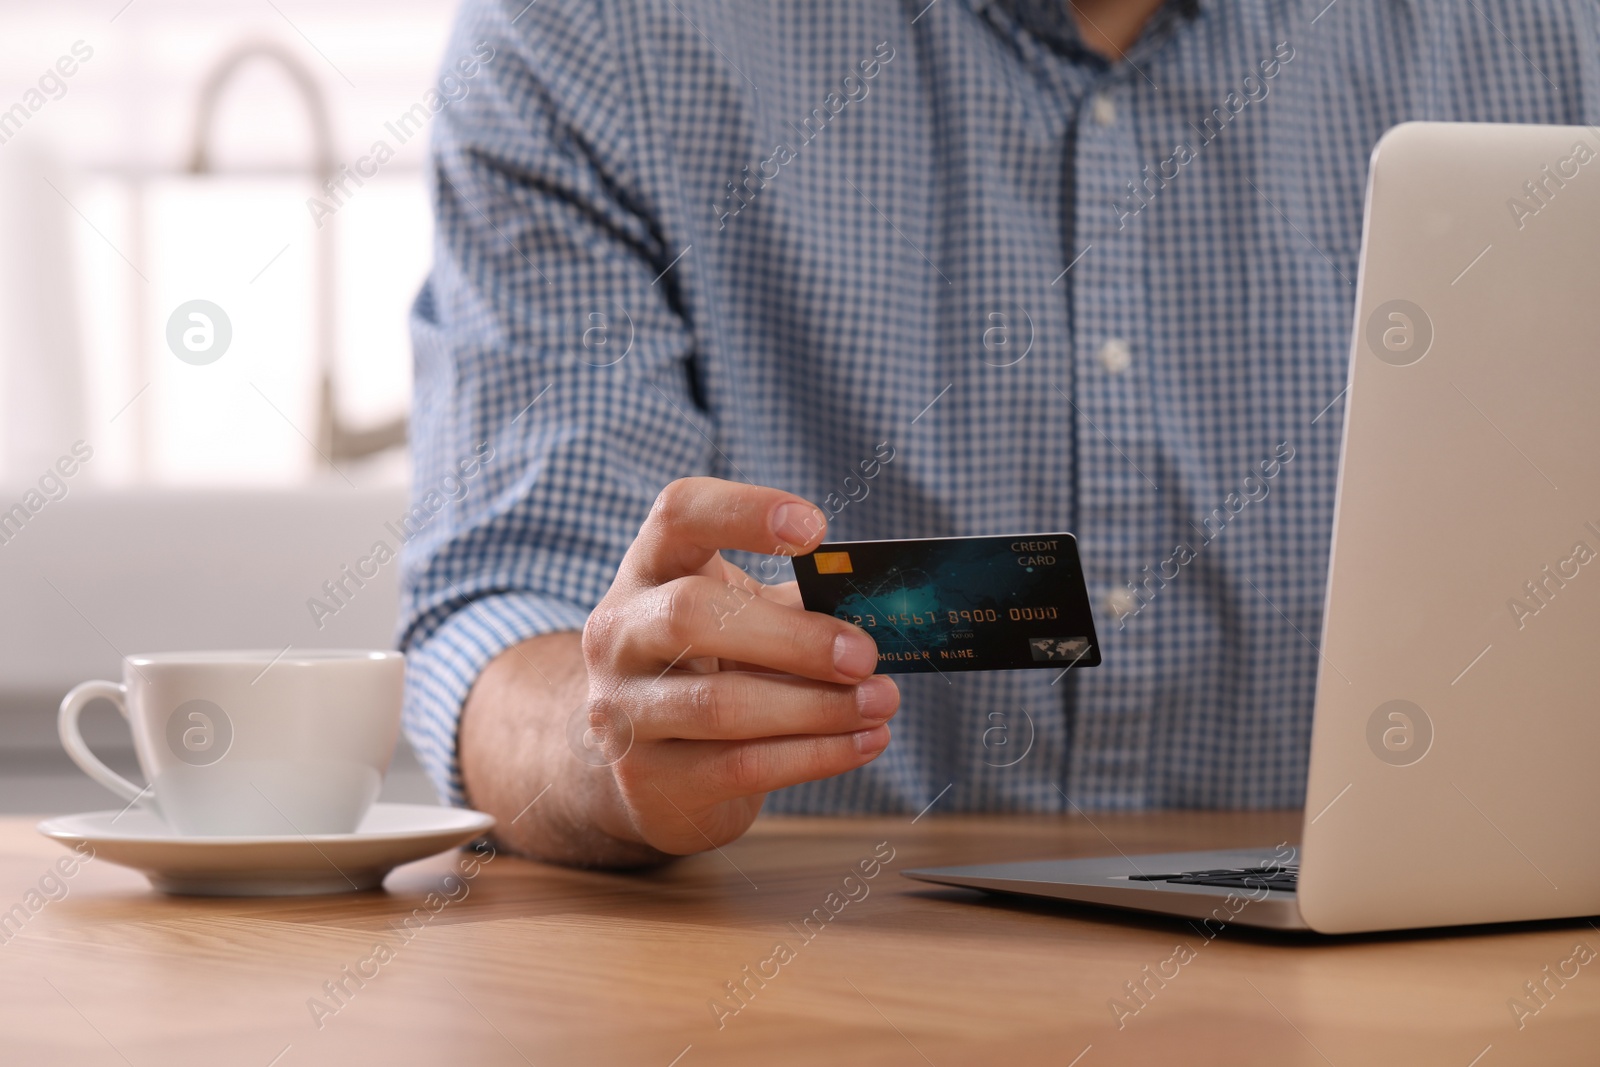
531	964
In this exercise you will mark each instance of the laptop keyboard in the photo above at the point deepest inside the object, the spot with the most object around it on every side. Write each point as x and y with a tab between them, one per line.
1280	878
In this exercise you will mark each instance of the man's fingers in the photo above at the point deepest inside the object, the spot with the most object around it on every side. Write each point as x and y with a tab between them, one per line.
732	705
711	772
779	593
695	517
700	617
787	593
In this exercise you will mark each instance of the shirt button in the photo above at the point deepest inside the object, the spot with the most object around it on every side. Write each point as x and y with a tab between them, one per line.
1120	602
1115	355
1103	109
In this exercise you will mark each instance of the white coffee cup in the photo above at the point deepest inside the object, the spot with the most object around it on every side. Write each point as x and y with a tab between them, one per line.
251	743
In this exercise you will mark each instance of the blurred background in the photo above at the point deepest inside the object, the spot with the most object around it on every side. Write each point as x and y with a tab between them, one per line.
213	219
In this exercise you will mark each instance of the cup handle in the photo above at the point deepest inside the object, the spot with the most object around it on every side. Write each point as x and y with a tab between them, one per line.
72	739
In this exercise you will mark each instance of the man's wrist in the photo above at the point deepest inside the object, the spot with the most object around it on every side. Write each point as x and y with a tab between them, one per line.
596	822
517	764
575	819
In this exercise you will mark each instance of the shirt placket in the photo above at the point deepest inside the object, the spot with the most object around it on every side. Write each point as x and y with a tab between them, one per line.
1117	471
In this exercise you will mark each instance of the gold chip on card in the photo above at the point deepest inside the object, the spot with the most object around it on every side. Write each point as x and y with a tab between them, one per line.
832	562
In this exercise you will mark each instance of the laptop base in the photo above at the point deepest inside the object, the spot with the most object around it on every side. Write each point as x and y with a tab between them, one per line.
1119	882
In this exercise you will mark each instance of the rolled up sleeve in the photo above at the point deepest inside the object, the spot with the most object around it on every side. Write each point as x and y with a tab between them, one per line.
552	398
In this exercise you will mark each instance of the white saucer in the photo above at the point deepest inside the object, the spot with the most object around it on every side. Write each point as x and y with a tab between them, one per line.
390	835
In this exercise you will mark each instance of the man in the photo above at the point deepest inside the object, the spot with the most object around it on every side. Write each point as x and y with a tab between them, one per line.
713	276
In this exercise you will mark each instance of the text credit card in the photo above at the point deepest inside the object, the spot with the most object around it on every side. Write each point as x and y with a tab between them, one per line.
958	603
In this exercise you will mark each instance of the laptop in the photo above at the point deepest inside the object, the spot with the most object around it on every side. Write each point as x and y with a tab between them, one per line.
1456	730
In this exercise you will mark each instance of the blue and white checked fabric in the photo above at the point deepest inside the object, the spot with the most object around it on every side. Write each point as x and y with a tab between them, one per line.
763	241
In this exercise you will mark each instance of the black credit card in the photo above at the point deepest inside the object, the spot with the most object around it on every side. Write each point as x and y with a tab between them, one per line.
958	603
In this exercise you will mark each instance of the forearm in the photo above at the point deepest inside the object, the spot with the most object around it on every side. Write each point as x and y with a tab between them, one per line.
514	748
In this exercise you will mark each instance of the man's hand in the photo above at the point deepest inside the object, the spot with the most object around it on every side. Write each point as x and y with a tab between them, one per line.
702	691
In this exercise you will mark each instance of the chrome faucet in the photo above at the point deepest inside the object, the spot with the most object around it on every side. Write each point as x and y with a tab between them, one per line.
334	440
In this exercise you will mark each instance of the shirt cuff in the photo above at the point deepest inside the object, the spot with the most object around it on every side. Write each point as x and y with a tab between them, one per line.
442	668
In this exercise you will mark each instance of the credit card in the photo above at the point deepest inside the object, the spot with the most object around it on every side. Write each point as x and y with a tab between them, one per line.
942	604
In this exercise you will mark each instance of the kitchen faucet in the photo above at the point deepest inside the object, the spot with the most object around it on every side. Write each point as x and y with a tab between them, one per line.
334	440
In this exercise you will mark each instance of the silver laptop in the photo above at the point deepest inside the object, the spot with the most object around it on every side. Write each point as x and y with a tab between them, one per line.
1455	748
